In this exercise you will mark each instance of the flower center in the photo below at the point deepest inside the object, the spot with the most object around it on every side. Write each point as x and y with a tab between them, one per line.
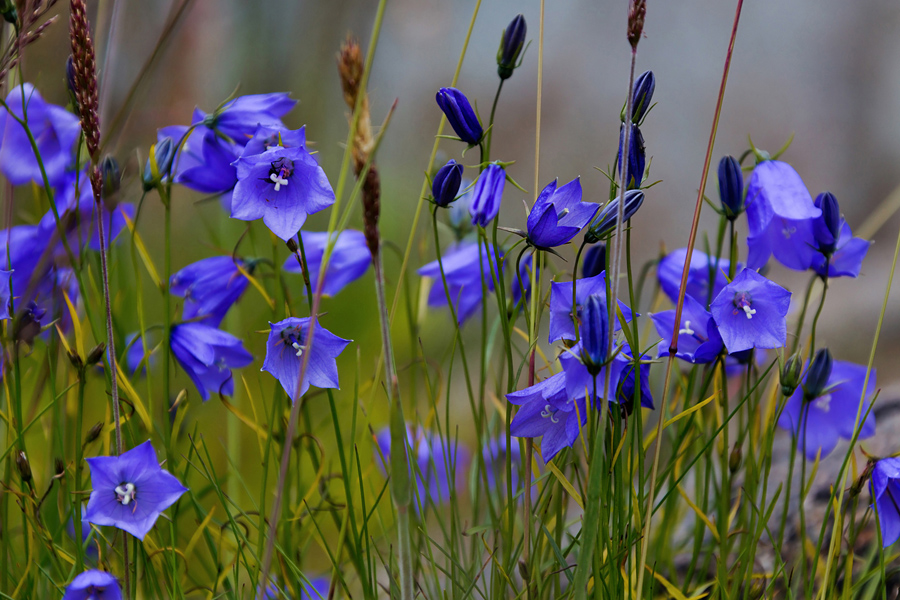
687	329
788	230
293	337
126	493
280	171
823	403
743	301
550	413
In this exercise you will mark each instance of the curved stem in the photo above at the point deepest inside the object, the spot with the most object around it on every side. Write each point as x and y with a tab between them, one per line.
574	283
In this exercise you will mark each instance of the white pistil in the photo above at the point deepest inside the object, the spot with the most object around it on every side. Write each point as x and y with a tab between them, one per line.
278	181
563	213
687	329
788	231
298	348
749	311
549	413
823	403
126	493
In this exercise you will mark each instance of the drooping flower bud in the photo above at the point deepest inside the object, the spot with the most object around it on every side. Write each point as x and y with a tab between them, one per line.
594	261
605	222
594	333
486	195
641	97
511	45
817	375
159	163
734	459
790	374
93	433
460	114
827	228
96	354
446	183
23	466
75	360
731	187
112	176
637	156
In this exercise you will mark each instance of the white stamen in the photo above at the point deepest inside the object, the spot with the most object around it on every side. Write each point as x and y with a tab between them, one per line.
549	413
824	403
278	181
126	493
563	213
687	329
298	348
788	232
749	311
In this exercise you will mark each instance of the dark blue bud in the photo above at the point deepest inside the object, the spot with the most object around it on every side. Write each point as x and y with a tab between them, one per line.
827	228
163	153
446	183
460	114
594	333
731	187
111	176
594	261
637	157
605	222
511	45
642	97
817	375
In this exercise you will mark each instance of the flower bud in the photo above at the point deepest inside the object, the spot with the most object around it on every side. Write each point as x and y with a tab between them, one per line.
75	360
790	374
642	96
817	375
734	460
637	156
8	10
59	467
731	187
523	571
594	261
460	114
446	183
93	433
605	222
827	229
96	354
487	194
594	333
111	175
511	45
159	163
23	466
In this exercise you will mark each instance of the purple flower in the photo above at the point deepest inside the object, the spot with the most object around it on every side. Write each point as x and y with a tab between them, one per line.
239	118
886	498
605	223
204	162
268	137
350	258
464	265
487	194
54	129
549	412
779	212
832	241
494	454
731	187
93	585
562	325
558	215
130	490
5	295
446	183
210	287
699	341
284	356
580	381
702	269
594	333
830	416
625	388
316	589
207	355
594	261
642	95
511	45
750	312
437	462
460	115
137	355
283	185
637	157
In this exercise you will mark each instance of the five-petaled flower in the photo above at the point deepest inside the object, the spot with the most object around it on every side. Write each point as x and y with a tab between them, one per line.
288	342
350	258
886	498
210	287
93	585
130	490
558	215
207	355
549	412
750	312
465	266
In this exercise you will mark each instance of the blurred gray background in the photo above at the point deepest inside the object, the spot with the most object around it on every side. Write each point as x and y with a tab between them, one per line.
827	71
